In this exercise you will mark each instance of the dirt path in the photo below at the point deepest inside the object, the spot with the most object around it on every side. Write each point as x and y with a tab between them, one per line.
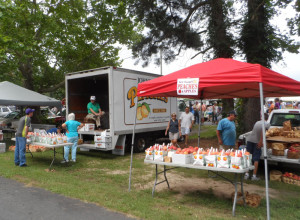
184	185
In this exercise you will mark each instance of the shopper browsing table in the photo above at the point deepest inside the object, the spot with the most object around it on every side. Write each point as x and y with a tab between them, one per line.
254	145
21	136
186	122
174	129
72	128
226	131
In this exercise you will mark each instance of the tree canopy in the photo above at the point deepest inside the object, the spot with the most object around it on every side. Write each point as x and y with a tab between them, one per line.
42	40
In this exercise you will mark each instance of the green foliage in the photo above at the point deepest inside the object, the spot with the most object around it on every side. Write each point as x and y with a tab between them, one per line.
40	41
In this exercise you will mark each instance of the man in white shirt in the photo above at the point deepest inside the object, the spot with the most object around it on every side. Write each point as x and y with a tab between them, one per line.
186	122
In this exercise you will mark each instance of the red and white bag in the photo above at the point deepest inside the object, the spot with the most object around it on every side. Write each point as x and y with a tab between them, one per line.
159	154
237	161
199	158
223	160
149	153
247	159
210	159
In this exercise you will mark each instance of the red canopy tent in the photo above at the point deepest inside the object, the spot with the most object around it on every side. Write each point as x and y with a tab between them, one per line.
225	78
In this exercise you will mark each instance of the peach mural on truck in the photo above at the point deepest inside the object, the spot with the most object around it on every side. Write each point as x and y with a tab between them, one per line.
142	111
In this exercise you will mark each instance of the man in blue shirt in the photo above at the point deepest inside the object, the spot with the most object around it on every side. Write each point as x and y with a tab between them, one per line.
56	130
226	131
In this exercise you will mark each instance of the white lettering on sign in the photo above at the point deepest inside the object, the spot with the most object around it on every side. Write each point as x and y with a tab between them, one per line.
188	86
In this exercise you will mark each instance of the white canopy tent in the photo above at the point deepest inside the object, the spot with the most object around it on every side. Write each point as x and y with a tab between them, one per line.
12	94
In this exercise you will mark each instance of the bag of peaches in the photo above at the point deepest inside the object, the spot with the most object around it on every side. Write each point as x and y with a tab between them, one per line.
223	159
159	154
149	153
237	160
199	157
247	158
211	158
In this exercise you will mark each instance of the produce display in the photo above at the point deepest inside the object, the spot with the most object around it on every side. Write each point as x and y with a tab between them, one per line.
294	151
43	137
210	157
286	131
291	178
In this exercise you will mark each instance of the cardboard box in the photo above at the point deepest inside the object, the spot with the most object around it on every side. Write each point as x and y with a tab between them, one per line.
103	145
182	158
100	139
89	127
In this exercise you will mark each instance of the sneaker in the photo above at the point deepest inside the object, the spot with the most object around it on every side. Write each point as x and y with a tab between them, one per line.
24	165
64	161
246	177
74	161
255	178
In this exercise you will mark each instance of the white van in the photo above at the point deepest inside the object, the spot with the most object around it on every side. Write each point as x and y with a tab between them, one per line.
4	110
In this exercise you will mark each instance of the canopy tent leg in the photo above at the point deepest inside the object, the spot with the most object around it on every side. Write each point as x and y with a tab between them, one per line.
132	144
200	118
264	147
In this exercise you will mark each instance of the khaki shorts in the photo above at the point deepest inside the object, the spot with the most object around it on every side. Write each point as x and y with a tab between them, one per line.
173	136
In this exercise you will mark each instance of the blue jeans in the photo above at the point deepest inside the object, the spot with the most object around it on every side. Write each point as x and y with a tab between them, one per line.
73	140
20	151
196	115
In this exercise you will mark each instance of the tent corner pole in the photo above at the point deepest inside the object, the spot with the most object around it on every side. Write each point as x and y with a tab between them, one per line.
132	144
264	148
199	125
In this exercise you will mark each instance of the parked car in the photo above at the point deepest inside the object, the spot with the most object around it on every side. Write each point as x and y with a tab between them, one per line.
4	110
11	120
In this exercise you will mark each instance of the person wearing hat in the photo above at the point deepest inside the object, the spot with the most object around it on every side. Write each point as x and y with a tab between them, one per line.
226	131
21	136
94	111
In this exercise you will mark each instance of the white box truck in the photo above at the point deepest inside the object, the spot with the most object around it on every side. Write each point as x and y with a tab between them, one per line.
115	90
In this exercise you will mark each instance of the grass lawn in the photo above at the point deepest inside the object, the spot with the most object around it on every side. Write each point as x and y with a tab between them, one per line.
102	178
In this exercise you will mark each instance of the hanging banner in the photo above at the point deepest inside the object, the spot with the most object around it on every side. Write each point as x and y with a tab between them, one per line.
187	86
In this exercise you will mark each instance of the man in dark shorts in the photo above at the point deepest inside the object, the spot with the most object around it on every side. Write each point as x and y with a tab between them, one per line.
254	145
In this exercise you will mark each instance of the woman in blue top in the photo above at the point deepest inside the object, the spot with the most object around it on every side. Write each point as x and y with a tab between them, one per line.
174	129
72	128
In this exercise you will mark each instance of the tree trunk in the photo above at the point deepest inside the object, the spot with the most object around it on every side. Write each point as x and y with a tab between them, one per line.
220	40
252	113
254	39
26	71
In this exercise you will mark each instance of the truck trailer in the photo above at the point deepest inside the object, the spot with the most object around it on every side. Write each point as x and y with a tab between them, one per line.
115	90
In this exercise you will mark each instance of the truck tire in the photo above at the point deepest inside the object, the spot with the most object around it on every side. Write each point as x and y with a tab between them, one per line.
140	144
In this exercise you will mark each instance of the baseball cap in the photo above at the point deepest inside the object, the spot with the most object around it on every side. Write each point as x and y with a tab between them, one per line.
29	110
93	97
233	113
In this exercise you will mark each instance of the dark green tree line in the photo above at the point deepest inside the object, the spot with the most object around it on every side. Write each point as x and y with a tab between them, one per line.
40	41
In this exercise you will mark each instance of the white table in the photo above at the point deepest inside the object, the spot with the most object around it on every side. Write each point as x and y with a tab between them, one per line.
214	170
47	146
